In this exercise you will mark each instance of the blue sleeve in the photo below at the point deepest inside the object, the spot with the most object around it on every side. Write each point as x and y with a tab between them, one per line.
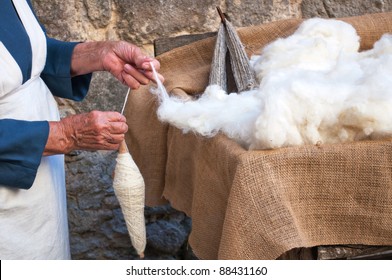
57	72
21	146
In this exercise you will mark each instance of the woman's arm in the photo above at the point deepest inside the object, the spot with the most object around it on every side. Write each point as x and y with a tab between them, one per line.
57	71
123	60
22	143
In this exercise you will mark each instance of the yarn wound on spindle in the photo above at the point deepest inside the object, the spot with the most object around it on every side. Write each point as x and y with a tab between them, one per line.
128	185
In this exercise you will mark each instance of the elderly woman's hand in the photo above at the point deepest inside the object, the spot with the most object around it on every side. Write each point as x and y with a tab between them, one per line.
123	60
91	131
128	63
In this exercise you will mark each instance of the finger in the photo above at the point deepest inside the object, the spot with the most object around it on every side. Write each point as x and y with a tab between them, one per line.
150	75
116	117
136	74
142	60
109	116
130	81
109	146
118	128
100	145
114	138
146	65
103	141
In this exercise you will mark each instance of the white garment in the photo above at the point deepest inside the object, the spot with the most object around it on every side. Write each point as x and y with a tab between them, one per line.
33	223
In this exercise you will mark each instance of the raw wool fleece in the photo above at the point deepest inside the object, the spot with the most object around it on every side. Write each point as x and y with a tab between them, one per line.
314	87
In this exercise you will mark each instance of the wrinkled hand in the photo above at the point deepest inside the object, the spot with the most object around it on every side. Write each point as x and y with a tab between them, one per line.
128	63
91	131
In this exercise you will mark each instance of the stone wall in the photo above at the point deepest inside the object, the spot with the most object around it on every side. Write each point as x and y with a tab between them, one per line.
97	228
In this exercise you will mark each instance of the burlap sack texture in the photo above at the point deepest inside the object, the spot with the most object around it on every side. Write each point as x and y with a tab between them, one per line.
260	204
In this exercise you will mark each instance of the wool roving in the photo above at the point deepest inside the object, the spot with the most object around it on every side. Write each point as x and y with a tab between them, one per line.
313	87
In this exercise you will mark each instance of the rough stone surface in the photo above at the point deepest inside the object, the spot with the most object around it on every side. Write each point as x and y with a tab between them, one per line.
99	12
342	8
166	237
164	18
253	12
105	94
97	228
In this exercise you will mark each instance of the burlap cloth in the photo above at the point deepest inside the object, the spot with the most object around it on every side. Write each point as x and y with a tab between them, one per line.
260	204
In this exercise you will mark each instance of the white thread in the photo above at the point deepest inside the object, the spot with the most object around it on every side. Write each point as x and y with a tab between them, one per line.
161	90
125	101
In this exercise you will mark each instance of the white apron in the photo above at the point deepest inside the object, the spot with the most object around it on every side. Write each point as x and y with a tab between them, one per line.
33	223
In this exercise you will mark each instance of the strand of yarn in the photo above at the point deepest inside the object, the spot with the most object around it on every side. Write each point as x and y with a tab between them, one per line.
125	101
218	74
160	91
243	74
129	187
124	145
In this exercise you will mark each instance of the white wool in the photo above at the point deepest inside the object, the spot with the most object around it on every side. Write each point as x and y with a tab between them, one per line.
314	87
214	111
315	46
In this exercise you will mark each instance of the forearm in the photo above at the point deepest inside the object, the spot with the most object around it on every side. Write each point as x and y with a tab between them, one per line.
58	142
87	58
